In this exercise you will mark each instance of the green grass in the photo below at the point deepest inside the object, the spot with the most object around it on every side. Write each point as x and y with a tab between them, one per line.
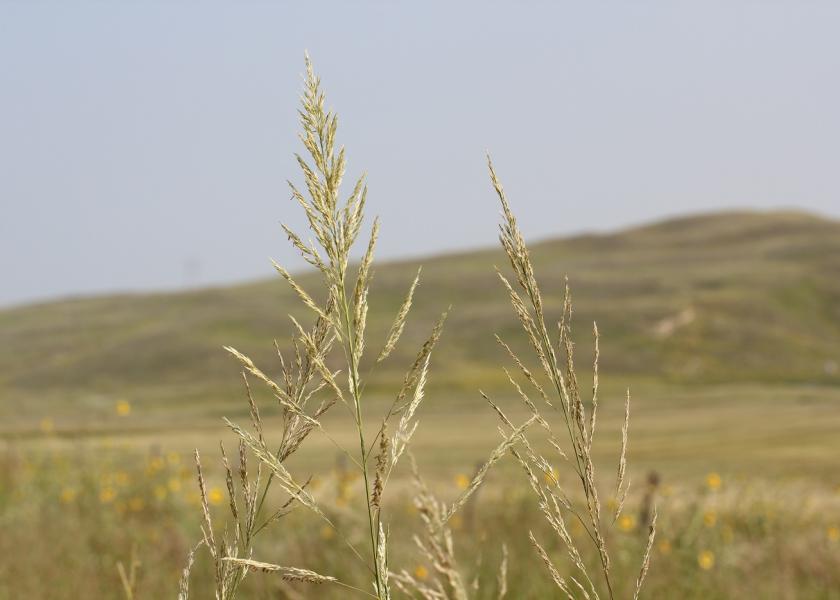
732	297
786	432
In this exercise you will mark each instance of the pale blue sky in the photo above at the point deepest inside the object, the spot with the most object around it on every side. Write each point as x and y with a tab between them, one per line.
145	145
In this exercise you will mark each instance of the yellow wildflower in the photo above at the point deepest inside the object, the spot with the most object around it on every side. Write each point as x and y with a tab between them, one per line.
121	478
215	496
713	481
174	485
107	494
154	465
123	408
173	458
706	559
160	492
627	523
327	532
421	572
345	491
665	547
833	534
68	495
462	481
710	518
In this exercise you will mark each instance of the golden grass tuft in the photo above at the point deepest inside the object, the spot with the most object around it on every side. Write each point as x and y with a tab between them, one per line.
308	387
570	409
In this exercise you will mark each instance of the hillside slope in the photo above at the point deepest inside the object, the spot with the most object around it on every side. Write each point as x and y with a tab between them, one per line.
712	298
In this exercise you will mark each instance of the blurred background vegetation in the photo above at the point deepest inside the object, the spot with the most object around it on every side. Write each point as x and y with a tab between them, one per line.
725	326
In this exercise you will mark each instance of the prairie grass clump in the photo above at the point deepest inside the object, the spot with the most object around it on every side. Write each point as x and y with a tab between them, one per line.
565	401
310	385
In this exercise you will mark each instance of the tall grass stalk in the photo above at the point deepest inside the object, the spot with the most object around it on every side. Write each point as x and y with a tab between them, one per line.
339	321
565	400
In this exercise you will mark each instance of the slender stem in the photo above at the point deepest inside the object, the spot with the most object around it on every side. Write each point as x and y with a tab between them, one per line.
265	490
561	392
354	381
556	380
339	267
354	588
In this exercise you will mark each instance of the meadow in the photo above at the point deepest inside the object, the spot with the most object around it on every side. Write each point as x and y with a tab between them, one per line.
748	507
725	327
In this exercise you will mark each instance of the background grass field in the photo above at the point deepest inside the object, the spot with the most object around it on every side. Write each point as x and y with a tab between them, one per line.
726	328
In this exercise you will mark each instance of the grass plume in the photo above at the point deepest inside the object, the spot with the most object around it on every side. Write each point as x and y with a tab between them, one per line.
338	331
558	367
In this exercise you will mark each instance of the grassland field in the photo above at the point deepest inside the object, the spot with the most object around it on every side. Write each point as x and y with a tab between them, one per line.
726	329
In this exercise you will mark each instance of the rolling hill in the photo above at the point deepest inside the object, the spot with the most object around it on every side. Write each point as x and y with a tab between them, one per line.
716	298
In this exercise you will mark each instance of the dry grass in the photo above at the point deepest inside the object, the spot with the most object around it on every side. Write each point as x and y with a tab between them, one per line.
311	385
63	537
565	400
310	380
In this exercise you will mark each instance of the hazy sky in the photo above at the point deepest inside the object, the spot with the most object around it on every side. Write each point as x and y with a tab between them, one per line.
146	145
